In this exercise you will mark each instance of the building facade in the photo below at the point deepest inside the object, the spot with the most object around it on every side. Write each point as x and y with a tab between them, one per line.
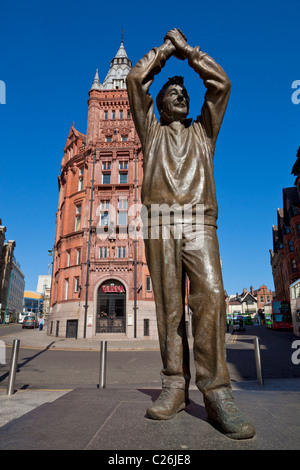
44	288
251	303
33	302
12	280
264	297
244	303
16	291
285	254
100	280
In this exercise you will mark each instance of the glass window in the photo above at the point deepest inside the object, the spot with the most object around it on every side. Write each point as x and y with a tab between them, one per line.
76	284
78	256
122	213
121	252
108	138
123	178
78	218
148	283
103	252
282	317
122	204
68	258
106	165
106	178
80	181
104	218
122	218
281	306
123	165
104	205
113	114
105	115
121	114
124	138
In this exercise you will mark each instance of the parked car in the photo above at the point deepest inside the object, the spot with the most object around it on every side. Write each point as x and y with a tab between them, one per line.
30	322
238	325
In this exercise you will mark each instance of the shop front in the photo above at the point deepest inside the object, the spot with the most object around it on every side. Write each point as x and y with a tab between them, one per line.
111	307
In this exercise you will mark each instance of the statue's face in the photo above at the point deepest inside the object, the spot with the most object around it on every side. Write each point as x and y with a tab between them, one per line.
175	102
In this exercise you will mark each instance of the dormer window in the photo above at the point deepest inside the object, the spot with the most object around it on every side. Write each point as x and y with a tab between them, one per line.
118	84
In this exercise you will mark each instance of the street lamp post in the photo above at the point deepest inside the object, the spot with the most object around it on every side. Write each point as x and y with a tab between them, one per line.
89	249
135	246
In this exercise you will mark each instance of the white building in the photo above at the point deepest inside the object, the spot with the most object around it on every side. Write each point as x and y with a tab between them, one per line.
16	291
44	283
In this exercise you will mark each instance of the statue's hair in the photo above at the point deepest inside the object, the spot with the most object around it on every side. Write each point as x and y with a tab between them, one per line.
172	81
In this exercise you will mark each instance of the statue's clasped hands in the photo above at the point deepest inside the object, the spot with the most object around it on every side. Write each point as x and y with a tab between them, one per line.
177	40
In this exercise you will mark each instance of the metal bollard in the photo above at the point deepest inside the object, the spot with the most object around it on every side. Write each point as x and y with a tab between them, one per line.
103	354
260	379
13	367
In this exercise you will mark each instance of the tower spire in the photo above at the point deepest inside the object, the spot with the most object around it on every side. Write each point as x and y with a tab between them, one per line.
96	83
119	69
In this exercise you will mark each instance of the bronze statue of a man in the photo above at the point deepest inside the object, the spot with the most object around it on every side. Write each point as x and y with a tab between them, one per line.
178	170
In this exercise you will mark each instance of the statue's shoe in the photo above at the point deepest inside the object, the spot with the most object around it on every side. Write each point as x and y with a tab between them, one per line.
229	419
168	404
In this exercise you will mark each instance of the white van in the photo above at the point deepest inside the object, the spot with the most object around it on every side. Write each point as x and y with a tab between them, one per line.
22	315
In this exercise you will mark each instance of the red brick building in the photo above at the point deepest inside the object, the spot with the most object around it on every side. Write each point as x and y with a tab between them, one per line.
100	282
285	255
264	296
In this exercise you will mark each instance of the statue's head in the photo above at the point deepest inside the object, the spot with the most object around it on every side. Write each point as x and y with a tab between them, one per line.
173	101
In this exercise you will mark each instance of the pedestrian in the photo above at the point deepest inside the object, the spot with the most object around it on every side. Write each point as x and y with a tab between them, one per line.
41	323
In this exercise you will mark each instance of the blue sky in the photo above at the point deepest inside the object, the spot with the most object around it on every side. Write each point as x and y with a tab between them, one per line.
49	55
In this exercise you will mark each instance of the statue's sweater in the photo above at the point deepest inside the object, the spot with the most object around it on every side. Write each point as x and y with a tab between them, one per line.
178	157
